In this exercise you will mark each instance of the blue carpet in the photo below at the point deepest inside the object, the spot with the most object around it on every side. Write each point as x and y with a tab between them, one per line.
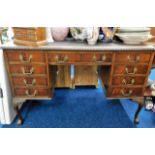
79	108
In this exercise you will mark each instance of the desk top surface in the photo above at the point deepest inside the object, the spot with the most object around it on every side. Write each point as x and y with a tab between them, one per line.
72	45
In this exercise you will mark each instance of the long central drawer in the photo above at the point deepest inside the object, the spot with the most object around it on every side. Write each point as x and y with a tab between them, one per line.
87	57
60	58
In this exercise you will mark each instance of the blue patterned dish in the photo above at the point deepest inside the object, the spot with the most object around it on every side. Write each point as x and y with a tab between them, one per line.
107	33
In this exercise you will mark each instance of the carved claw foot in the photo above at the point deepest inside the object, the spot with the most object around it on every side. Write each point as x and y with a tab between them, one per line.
136	118
20	121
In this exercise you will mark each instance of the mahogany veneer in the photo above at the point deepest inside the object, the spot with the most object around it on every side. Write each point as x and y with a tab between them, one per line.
29	68
35	73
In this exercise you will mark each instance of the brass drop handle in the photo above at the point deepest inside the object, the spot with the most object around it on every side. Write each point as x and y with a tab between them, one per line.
94	58
31	95
27	73
132	60
66	58
57	58
21	58
57	72
32	84
126	83
126	94
131	73
104	58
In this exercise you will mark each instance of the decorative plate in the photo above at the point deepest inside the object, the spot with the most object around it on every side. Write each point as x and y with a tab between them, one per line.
107	33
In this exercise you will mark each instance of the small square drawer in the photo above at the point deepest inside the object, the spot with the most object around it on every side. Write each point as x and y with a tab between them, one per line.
28	70
97	57
124	92
19	31
24	31
132	57
130	69
31	92
21	81
60	58
128	80
26	56
31	37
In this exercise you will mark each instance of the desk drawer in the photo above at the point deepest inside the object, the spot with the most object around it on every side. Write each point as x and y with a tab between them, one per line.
31	92
24	31
26	56
28	70
124	92
130	69
21	81
128	80
60	58
97	57
30	37
132	57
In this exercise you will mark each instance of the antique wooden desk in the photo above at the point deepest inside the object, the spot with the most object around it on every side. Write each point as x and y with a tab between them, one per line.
123	69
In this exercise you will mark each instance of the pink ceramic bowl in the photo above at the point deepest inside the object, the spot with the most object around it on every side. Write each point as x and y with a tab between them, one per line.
59	33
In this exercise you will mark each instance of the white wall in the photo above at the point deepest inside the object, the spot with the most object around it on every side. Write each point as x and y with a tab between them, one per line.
9	113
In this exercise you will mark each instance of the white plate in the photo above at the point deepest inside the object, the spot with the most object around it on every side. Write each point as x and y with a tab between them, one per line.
134	39
137	34
134	29
133	36
133	42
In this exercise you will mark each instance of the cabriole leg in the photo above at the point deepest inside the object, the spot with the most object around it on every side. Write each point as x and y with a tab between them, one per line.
20	118
136	117
140	102
17	104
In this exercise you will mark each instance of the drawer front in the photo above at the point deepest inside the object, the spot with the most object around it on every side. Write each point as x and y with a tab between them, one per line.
31	93
124	92
128	80
26	57
27	70
25	34
57	58
24	31
29	37
130	69
19	31
132	57
29	81
101	58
